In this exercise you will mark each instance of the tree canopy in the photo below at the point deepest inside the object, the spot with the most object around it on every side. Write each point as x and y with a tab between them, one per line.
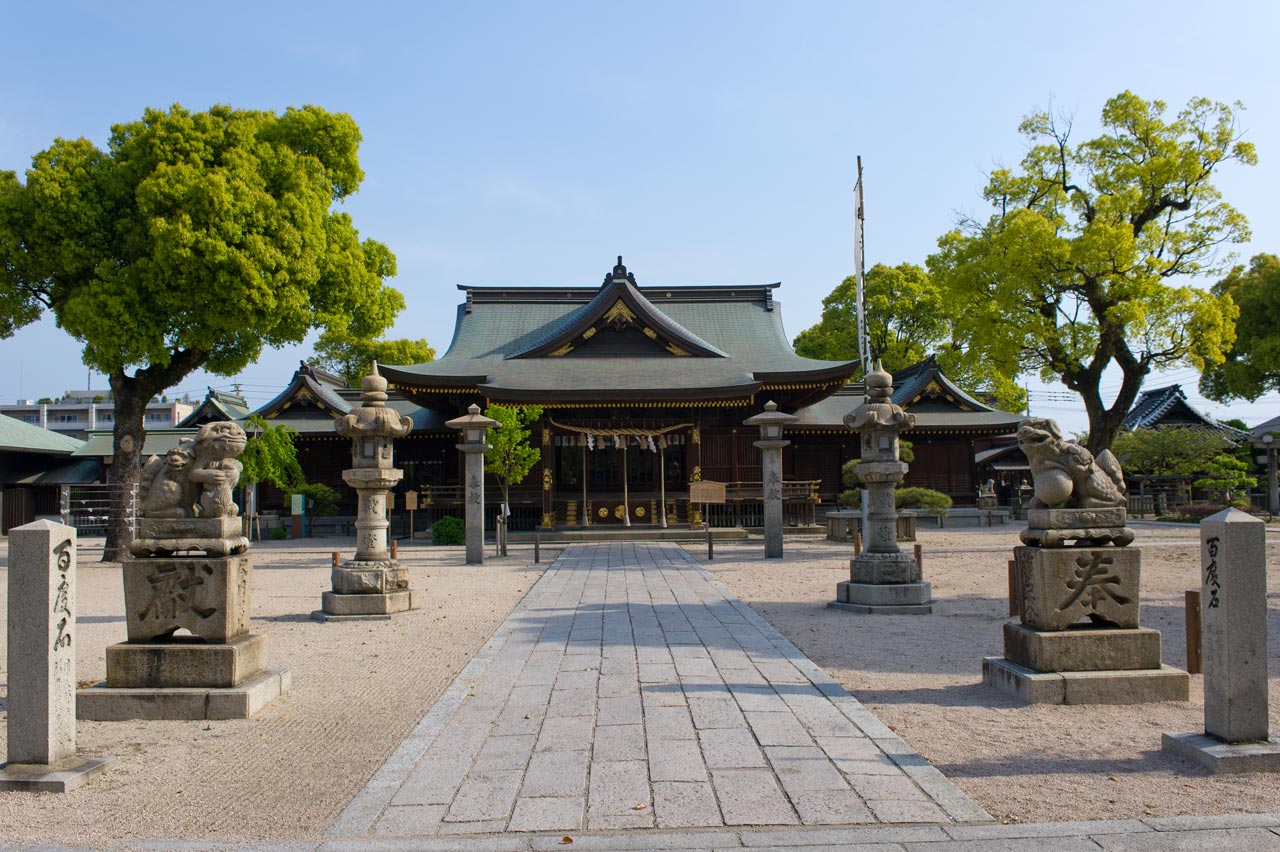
1168	450
194	240
907	319
349	356
1252	366
1084	260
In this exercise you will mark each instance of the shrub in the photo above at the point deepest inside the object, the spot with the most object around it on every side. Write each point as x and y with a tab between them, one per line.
278	534
322	501
1193	513
448	530
923	498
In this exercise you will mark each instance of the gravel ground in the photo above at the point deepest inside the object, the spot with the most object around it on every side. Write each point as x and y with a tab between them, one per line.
922	676
358	689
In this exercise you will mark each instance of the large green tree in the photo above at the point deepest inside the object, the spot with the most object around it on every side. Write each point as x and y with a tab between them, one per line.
349	355
1085	258
194	240
907	319
1252	366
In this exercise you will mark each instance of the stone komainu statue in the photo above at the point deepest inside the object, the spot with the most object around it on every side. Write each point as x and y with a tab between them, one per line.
1066	475
164	488
195	477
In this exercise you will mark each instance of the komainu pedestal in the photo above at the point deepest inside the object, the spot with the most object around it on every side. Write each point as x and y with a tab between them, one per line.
1079	640
187	597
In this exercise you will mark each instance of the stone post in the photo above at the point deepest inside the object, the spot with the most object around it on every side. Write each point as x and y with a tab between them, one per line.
882	579
473	426
771	422
42	662
475	501
1233	624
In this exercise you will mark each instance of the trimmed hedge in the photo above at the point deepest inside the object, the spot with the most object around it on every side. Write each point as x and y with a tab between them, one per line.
448	530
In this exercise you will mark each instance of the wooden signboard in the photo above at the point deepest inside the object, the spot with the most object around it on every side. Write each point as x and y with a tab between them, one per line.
411	500
706	492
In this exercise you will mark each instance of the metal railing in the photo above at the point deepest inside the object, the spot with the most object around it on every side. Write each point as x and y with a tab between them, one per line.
88	507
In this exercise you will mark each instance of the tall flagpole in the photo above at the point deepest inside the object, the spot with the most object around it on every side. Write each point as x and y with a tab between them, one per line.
864	349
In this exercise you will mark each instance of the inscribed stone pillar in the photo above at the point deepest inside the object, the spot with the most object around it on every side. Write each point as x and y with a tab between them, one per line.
42	658
771	466
1233	619
475	502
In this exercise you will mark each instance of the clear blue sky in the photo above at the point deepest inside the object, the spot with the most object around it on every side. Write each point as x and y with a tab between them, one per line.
530	143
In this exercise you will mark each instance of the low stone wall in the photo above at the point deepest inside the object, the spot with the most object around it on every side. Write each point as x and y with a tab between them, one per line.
842	524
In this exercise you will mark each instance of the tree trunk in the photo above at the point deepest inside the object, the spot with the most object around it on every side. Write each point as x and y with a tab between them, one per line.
127	437
1105	423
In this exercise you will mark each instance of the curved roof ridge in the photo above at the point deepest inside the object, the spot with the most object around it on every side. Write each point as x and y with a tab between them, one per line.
619	287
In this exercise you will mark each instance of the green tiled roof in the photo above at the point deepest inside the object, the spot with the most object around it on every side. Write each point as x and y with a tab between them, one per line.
157	443
496	324
26	437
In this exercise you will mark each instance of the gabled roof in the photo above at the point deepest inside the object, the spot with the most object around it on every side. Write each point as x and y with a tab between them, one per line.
22	437
217	405
619	303
1168	406
925	391
314	398
311	386
621	343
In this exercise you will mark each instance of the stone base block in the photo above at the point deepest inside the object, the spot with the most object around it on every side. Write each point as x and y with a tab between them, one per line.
876	568
884	598
108	704
1082	648
206	595
56	778
167	536
333	604
364	578
1143	686
1061	586
1219	757
191	663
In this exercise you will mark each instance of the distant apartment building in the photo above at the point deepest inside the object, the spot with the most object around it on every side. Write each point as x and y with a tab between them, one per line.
76	413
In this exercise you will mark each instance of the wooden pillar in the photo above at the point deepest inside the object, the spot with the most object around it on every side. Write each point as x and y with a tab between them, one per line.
626	502
694	466
548	478
586	503
662	480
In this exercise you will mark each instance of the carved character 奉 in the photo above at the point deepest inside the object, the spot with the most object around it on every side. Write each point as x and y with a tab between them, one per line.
1067	475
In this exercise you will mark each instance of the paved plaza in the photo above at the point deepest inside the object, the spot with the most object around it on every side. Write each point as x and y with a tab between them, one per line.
632	690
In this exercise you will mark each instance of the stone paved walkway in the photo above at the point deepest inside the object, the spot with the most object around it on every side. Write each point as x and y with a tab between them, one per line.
632	690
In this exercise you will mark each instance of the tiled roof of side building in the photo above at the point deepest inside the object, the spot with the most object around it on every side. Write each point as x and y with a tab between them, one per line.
29	438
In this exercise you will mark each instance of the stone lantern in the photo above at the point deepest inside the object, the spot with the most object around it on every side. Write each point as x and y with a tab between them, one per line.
474	426
371	584
882	579
771	422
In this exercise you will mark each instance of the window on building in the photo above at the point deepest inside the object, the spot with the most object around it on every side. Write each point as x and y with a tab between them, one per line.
68	418
30	418
157	415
